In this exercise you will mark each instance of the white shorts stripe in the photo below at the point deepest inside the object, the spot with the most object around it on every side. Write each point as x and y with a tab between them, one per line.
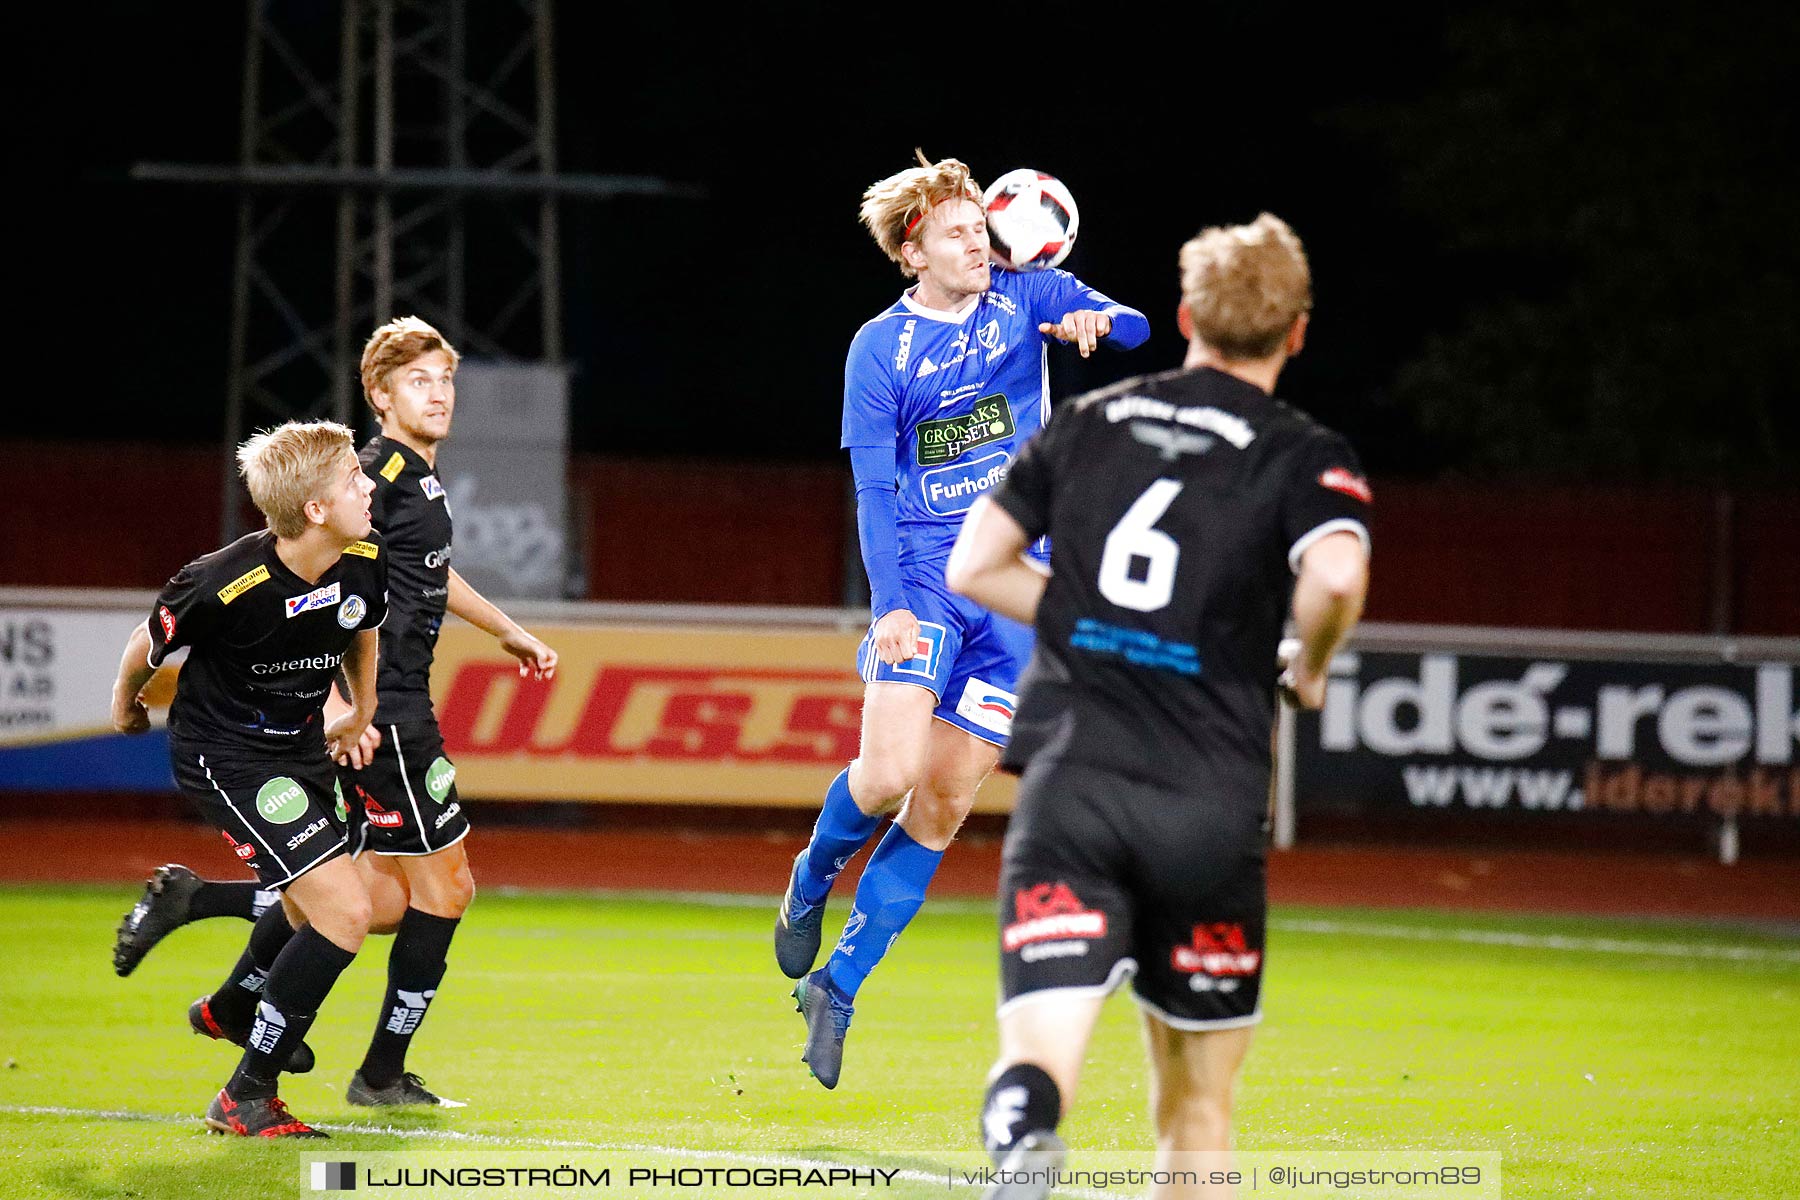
424	834
234	808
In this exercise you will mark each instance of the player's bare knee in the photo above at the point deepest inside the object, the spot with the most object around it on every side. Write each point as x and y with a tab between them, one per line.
932	819
387	905
878	785
456	894
354	912
345	921
442	884
1192	1118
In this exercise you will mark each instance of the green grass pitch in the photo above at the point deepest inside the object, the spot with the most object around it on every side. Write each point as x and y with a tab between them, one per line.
1609	1059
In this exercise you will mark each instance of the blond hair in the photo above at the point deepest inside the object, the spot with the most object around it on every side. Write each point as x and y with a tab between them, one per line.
1245	286
291	464
893	207
393	346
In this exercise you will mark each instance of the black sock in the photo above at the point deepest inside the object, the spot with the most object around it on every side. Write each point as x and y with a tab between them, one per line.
415	968
235	899
234	1001
1024	1099
301	978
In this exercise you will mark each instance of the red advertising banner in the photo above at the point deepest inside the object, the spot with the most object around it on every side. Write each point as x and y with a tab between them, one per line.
666	714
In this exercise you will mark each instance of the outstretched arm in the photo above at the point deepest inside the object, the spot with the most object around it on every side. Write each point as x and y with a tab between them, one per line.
479	611
1089	317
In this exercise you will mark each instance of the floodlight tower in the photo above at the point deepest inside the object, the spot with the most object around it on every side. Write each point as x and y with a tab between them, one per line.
415	143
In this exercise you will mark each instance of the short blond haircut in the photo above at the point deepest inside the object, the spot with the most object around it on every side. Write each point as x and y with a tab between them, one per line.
393	346
893	208
1245	286
286	466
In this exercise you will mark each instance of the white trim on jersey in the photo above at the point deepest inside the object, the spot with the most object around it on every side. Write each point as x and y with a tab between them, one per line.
889	315
1337	525
938	314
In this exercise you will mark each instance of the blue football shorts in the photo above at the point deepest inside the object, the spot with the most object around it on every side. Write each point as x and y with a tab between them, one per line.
968	657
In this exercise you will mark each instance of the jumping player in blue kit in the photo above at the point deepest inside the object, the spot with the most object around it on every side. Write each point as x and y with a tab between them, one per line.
941	392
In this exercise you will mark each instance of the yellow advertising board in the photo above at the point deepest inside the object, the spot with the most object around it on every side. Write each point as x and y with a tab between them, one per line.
650	713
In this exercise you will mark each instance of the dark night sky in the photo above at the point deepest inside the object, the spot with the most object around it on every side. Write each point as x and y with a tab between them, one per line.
739	308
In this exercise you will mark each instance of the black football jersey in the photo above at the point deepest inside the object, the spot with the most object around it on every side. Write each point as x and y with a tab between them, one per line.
1178	506
412	512
263	643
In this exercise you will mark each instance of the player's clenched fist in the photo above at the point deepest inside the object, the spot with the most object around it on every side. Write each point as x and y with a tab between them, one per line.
897	637
131	716
1085	328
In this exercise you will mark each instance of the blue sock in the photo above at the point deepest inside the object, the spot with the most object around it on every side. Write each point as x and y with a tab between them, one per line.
841	830
892	888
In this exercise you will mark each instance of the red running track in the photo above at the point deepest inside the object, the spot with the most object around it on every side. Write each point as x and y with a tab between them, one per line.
36	849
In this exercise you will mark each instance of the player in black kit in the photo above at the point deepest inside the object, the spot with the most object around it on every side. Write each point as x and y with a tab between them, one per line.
404	811
267	621
1189	514
406	820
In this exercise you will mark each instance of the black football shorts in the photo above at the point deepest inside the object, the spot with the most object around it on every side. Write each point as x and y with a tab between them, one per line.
1105	878
405	802
281	816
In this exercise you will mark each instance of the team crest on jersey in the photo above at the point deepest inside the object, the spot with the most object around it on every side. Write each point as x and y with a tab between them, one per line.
350	613
989	336
323	597
988	706
928	653
948	438
433	489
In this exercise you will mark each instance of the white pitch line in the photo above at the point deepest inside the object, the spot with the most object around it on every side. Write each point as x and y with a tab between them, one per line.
1542	941
492	1139
1415	933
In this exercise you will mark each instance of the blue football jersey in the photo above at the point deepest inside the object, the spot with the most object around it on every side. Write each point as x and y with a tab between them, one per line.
957	396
